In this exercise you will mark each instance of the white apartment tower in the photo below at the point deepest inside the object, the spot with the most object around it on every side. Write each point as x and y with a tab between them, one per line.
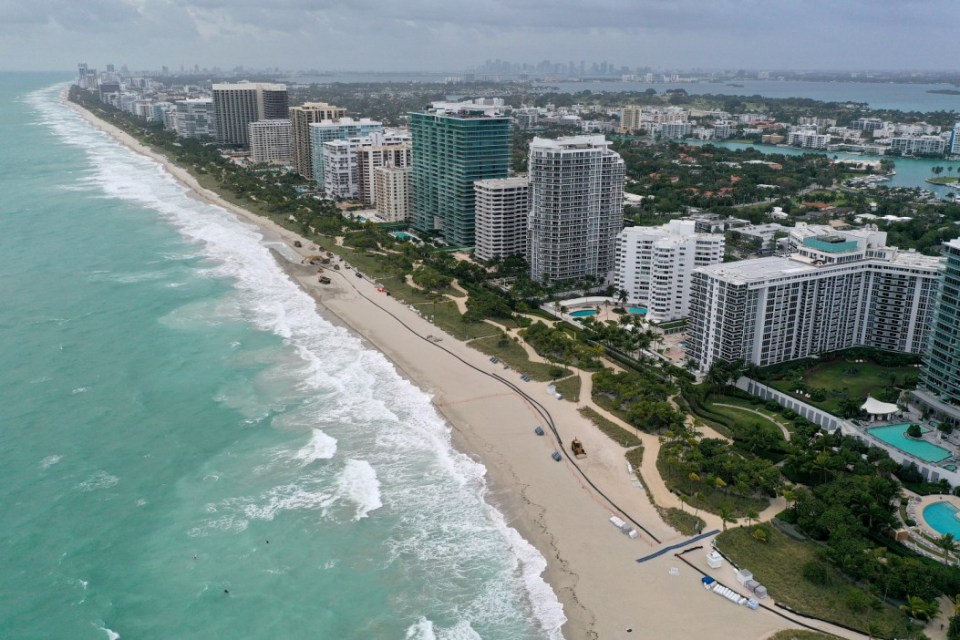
342	161
391	193
576	208
655	265
502	210
838	291
237	105
301	117
391	150
271	142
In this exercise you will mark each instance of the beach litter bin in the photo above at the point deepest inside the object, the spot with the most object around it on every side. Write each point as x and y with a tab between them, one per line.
538	431
556	456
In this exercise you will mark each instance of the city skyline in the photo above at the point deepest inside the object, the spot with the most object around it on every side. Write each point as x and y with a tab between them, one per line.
884	35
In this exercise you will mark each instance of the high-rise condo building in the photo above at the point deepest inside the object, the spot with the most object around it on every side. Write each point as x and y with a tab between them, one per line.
271	142
576	208
301	117
454	145
388	152
195	118
341	129
630	120
237	105
391	193
342	161
939	385
503	209
837	291
655	265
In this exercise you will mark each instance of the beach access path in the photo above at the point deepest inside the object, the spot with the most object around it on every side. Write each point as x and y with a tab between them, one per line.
590	563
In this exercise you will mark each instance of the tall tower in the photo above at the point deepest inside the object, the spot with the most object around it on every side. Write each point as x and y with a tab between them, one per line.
237	105
576	208
939	385
300	119
454	145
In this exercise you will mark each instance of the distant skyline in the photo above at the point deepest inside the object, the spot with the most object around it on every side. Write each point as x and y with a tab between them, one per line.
431	35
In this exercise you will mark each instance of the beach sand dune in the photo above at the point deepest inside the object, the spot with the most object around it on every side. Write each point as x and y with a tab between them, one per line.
590	564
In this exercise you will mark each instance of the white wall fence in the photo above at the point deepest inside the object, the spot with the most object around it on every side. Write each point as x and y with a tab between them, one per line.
830	422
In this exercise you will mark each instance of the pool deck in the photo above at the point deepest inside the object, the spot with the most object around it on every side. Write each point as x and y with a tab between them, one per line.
919	504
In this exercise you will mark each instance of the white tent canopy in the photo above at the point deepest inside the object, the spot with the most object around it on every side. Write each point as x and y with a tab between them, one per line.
876	408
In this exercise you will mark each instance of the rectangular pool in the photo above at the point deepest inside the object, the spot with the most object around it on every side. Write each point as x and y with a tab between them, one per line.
896	435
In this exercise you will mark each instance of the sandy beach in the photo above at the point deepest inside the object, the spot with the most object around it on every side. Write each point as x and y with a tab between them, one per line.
591	565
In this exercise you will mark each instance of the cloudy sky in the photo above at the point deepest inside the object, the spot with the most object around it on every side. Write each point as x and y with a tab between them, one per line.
457	34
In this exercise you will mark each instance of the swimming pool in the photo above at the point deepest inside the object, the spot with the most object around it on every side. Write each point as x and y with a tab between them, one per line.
942	517
583	313
403	235
638	310
895	434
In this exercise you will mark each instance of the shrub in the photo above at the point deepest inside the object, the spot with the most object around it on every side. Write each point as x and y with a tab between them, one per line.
817	573
914	431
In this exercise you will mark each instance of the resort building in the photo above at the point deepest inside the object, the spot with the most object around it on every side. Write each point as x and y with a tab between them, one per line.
918	145
808	138
237	105
327	130
503	207
630	120
939	384
270	142
391	193
655	265
454	145
576	208
301	117
837	291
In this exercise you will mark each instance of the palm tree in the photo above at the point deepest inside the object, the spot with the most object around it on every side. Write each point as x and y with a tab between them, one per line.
920	609
726	515
949	545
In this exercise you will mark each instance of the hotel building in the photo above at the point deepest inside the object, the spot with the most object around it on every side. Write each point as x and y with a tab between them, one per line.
454	145
237	105
655	265
576	208
837	291
503	208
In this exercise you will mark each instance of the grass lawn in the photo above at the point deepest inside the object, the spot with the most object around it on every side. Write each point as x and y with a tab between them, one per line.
512	354
944	180
612	430
569	387
683	521
842	379
778	564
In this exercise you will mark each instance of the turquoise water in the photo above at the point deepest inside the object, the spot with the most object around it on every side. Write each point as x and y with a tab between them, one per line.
942	517
895	434
403	235
178	422
911	172
583	313
638	310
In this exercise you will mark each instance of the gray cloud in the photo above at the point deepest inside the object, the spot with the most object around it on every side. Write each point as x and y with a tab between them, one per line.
452	34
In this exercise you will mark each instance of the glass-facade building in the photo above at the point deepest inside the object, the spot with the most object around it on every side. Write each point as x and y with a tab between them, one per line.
454	145
939	385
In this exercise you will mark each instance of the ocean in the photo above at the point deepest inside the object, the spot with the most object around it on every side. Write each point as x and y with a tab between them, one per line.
191	451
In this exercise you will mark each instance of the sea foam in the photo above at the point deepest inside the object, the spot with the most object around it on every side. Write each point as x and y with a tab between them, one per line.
400	453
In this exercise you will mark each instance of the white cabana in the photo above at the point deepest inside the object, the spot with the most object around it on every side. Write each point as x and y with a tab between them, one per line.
877	410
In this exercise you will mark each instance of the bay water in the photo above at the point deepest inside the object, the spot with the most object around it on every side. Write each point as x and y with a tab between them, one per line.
189	450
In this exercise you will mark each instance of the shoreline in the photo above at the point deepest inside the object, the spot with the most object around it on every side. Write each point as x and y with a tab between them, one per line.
590	565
